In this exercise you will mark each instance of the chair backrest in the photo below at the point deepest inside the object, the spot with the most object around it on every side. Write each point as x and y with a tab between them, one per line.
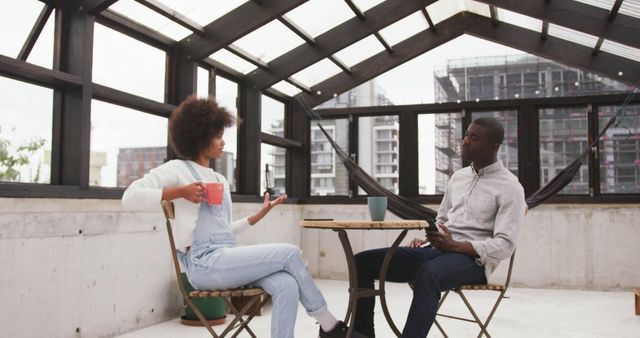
169	214
508	280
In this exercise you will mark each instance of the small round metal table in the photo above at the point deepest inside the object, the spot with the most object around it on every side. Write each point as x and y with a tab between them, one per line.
354	291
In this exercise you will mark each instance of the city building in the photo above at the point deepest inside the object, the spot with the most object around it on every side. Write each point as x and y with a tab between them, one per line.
563	132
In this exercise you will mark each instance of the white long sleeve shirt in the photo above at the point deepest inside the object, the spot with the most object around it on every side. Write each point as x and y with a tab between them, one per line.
485	208
146	193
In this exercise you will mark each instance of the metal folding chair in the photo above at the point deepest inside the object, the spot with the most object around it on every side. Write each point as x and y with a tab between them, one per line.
501	288
238	324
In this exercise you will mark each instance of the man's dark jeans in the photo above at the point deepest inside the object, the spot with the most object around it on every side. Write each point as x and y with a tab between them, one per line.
430	270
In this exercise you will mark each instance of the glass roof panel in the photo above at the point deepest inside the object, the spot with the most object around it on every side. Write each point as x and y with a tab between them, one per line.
317	72
442	10
620	50
233	61
405	28
365	5
360	51
203	11
269	41
149	18
604	4
318	16
286	88
573	35
630	8
477	8
520	20
42	52
18	20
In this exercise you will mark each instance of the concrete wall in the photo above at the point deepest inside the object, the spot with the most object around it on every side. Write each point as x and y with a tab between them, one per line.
90	266
561	246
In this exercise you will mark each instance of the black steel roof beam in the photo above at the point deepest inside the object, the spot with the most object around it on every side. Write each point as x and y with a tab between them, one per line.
172	15
133	29
35	32
246	56
94	7
355	9
296	29
340	64
494	14
299	85
614	10
428	18
597	47
556	49
239	22
578	16
382	62
335	40
545	31
383	42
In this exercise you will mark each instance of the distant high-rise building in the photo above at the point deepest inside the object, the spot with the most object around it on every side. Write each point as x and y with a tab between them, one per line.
133	163
563	131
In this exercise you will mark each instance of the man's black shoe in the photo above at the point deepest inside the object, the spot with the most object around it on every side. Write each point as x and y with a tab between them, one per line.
340	331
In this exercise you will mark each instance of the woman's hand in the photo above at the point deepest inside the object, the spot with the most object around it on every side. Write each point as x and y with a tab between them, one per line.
267	205
193	192
270	204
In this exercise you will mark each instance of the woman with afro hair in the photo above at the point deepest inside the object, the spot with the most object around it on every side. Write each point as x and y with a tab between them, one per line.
205	234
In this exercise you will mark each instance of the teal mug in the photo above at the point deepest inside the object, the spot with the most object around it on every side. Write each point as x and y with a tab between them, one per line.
377	207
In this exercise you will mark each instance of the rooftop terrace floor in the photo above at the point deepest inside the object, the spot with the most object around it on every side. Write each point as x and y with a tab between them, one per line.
526	313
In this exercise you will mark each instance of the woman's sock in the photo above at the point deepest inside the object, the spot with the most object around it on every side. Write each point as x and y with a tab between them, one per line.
327	320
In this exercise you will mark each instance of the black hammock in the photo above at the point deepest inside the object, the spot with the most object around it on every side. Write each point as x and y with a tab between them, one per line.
407	209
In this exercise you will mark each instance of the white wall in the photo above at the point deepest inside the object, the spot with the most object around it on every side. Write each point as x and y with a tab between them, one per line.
560	246
116	276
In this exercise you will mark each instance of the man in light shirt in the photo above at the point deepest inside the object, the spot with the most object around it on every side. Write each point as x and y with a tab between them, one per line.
478	221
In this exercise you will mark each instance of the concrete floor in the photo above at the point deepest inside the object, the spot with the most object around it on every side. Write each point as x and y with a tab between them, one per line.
526	313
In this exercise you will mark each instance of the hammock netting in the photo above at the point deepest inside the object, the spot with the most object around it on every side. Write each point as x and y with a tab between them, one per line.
407	209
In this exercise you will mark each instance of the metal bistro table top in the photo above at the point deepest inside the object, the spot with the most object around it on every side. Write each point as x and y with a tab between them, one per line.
363	224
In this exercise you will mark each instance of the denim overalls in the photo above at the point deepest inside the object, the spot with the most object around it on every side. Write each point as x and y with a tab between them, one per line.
215	262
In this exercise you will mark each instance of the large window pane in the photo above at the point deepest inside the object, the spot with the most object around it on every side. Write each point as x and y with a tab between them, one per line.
125	144
563	137
202	88
620	151
439	138
328	174
508	153
378	149
16	23
272	116
25	132
133	67
227	95
273	159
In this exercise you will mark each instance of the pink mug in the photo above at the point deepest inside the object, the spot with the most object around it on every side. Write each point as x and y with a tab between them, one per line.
214	192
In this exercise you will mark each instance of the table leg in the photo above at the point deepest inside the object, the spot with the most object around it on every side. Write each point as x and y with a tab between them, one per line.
353	280
383	275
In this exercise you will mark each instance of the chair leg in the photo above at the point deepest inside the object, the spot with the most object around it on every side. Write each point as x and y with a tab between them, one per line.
440	328
238	323
493	311
483	329
195	309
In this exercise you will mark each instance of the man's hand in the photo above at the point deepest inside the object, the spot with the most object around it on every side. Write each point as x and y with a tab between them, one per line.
416	243
443	241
